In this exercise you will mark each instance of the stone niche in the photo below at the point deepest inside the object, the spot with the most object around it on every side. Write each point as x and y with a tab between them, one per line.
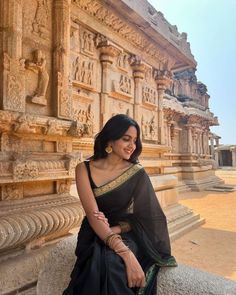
66	67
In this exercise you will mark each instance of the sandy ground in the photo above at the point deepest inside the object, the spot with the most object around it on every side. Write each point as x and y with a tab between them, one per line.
211	247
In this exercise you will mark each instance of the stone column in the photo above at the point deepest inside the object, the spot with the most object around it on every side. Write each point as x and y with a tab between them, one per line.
216	157
212	146
108	52
12	70
163	80
234	157
189	139
61	32
138	73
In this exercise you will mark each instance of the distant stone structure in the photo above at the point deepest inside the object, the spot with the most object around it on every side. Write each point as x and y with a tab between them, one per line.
225	155
66	66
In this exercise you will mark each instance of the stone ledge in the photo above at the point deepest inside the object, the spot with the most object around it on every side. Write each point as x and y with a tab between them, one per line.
182	280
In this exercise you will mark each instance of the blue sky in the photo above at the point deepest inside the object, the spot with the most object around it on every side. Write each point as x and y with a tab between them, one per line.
211	29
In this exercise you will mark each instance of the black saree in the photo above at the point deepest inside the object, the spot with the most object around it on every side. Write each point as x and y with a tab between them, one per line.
99	270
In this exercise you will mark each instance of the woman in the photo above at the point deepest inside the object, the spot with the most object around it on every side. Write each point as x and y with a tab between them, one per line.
123	239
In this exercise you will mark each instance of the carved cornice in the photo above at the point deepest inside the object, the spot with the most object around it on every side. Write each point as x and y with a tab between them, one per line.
104	15
17	123
171	104
31	168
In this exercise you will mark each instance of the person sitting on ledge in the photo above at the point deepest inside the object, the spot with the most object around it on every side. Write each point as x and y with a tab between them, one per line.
123	240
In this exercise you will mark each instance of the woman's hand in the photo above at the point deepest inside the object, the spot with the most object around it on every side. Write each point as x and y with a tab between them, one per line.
100	216
135	274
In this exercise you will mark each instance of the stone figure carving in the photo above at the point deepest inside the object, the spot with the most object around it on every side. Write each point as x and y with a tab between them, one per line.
123	60
83	71
64	186
12	192
149	95
83	124
40	23
125	84
149	128
88	42
25	124
53	128
38	65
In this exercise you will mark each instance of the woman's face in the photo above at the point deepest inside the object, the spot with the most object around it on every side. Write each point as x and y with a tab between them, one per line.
125	146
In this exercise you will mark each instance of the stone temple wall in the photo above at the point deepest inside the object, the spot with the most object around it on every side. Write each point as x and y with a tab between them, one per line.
66	66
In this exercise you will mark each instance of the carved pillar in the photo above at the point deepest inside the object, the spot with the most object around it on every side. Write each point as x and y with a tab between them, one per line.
216	157
163	80
190	142
138	73
11	26
61	58
12	71
200	142
234	157
108	52
212	146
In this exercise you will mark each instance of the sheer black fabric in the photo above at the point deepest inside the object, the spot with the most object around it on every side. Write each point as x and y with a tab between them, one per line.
98	269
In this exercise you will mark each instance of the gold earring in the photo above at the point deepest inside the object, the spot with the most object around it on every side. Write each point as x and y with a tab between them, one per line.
108	149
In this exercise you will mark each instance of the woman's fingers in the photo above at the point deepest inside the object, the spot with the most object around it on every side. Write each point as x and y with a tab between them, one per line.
100	216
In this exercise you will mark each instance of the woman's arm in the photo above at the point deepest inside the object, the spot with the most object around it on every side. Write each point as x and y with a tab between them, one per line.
89	203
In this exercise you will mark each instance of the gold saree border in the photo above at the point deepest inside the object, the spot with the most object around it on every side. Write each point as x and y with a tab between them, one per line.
117	181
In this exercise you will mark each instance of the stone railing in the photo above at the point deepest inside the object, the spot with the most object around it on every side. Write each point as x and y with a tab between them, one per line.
182	280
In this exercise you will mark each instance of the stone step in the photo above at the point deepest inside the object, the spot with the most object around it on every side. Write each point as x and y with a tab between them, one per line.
187	228
183	222
222	188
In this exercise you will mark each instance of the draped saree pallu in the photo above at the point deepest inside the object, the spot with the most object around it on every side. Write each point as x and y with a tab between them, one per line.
99	270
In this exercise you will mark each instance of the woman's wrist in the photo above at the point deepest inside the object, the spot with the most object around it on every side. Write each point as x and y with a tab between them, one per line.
116	229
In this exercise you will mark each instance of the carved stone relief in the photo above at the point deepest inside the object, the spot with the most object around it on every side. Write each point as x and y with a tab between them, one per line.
14	84
83	124
10	143
25	124
63	186
40	25
62	147
123	61
38	65
83	72
149	95
64	97
123	88
72	162
87	42
149	127
53	128
25	170
12	192
97	10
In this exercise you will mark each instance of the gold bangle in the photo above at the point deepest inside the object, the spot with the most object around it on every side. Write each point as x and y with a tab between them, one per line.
124	226
111	236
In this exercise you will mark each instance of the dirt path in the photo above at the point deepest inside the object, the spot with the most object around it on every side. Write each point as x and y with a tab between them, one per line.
211	247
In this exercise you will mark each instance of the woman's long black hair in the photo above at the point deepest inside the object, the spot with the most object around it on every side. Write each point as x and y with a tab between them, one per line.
114	129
